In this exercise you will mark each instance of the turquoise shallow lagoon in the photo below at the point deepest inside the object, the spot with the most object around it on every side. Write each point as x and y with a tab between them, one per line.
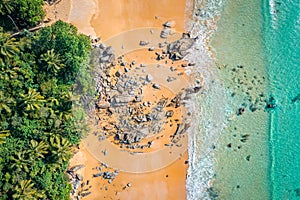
242	154
256	48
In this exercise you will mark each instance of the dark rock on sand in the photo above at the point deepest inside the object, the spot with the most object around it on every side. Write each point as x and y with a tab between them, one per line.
156	86
169	24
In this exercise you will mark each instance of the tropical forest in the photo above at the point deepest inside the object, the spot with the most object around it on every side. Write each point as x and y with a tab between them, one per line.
42	79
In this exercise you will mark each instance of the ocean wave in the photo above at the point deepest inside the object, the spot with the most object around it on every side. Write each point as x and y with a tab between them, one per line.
207	107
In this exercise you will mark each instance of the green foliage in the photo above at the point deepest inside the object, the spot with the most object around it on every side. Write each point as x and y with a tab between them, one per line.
38	117
32	101
6	7
25	190
23	13
30	12
9	47
69	49
3	135
51	62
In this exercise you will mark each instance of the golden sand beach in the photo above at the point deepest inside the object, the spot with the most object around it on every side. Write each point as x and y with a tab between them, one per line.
160	171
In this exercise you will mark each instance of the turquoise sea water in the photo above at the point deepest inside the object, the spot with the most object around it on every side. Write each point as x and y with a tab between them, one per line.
242	152
282	52
257	153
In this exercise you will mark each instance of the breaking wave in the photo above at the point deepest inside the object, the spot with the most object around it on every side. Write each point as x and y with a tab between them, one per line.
208	108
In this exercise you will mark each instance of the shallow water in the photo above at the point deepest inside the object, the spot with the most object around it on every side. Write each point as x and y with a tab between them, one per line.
242	154
232	149
254	154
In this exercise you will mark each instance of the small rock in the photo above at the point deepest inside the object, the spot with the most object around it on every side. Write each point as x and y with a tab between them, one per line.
170	79
151	49
169	24
149	77
85	194
156	86
184	65
104	152
248	158
79	177
170	113
241	111
161	45
118	74
143	43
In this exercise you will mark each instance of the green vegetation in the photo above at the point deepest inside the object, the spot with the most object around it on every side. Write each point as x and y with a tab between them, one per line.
18	14
42	77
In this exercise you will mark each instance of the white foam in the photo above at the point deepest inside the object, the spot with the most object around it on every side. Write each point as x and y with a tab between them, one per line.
208	108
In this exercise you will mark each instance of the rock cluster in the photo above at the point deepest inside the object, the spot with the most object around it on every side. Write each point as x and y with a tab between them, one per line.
178	49
80	187
129	117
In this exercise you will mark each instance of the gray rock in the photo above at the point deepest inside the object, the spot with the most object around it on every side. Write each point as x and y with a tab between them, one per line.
165	32
170	113
85	194
149	77
97	175
169	24
118	74
161	45
170	79
79	177
184	65
151	49
156	86
143	43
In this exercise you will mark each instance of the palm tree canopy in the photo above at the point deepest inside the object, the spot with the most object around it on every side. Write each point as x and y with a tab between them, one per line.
8	47
51	61
6	7
25	190
32	100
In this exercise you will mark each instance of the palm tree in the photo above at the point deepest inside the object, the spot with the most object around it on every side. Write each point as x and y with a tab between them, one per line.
60	148
53	102
9	47
32	100
25	190
6	7
51	61
3	135
38	149
5	102
66	115
21	161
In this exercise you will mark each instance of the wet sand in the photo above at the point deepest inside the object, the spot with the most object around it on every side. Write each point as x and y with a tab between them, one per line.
107	19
